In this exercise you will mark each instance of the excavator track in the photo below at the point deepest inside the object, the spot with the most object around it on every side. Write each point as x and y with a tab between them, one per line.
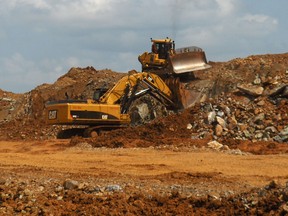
95	131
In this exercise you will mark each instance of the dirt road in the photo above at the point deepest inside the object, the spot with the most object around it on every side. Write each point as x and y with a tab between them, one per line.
34	178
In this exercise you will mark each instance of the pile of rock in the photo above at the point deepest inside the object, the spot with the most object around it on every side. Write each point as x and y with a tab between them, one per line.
258	119
256	110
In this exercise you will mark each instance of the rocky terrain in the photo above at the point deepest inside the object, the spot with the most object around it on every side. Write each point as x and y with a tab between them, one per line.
237	107
243	99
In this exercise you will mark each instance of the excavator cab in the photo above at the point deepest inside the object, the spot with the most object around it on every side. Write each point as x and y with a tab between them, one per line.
157	59
162	48
98	93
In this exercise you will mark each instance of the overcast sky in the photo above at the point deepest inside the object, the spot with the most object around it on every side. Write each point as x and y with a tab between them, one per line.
40	40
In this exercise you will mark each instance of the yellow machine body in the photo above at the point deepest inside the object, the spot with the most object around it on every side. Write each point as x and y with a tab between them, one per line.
165	60
78	113
111	108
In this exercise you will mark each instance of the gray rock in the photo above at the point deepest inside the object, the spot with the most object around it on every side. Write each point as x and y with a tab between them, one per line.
261	103
282	136
277	90
242	126
251	89
259	135
60	198
211	117
112	188
41	188
284	132
215	145
247	134
237	152
227	110
220	113
226	148
278	138
259	118
8	99
221	121
271	129
27	192
218	130
143	110
59	188
70	184
189	126
232	122
2	181
285	92
213	196
257	80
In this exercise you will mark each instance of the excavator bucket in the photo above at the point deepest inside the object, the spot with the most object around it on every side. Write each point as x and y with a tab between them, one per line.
188	59
182	98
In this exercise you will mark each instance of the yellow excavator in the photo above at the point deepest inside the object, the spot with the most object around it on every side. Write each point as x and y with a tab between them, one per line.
109	108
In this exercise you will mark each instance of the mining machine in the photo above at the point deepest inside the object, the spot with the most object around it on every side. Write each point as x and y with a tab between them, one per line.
166	61
109	108
162	70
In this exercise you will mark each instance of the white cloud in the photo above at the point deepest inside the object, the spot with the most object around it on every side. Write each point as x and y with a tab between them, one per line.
259	18
86	9
196	37
120	13
256	25
38	4
13	4
226	6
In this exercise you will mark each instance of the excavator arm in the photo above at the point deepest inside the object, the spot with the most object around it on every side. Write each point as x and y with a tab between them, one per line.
135	85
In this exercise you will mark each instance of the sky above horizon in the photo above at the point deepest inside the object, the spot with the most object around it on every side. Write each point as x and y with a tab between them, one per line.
40	40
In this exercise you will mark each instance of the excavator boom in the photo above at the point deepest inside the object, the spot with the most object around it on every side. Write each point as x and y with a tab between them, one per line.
143	81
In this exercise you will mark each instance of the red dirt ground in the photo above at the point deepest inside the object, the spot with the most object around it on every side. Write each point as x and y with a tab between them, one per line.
132	181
